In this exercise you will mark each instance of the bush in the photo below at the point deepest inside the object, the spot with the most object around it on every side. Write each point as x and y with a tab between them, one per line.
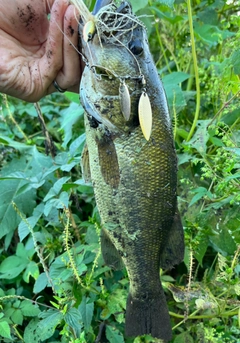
54	286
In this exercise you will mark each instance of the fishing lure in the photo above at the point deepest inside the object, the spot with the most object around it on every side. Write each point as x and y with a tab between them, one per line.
125	100
89	30
145	115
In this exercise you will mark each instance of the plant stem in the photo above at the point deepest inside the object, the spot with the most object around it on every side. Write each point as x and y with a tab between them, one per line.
203	316
195	65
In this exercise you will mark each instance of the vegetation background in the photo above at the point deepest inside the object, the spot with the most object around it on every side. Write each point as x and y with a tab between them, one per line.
54	286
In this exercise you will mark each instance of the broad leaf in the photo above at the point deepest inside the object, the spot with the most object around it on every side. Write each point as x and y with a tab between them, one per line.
5	330
86	310
113	335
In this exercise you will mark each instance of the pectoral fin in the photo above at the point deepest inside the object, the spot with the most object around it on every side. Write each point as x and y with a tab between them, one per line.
110	253
173	250
108	161
85	165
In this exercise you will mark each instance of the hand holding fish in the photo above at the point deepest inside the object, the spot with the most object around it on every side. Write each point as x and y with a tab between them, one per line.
35	51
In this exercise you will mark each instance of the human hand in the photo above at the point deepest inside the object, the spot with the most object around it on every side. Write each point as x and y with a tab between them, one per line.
34	51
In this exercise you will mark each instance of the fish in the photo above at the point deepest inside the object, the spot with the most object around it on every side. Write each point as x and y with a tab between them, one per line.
131	160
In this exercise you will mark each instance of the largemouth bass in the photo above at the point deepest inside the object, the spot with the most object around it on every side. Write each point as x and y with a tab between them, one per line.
131	157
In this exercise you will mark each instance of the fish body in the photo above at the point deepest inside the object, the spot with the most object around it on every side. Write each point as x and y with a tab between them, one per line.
134	179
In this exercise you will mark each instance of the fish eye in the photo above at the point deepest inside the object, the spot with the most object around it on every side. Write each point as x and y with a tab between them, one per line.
136	47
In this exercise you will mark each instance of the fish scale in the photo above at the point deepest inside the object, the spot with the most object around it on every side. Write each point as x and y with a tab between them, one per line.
134	180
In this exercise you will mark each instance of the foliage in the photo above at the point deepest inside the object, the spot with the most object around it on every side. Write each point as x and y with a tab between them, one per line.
54	286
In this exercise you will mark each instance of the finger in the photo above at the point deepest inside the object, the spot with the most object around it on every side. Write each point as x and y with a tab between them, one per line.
69	76
52	61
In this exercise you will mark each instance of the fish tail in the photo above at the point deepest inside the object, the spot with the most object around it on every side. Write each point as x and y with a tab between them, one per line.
148	315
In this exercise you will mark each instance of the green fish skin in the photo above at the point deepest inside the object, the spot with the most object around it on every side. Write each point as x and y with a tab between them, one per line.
134	180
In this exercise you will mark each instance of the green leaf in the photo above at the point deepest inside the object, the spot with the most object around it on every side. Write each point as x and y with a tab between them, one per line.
175	78
175	95
9	219
31	332
62	202
208	16
171	17
23	229
69	117
223	241
200	193
235	59
40	283
74	319
168	3
28	309
77	143
183	158
138	4
56	189
16	145
210	34
73	97
17	317
12	266
114	335
86	310
5	330
31	270
184	337
32	163
48	325
200	138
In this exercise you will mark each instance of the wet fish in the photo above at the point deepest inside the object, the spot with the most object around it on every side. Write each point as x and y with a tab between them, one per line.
132	162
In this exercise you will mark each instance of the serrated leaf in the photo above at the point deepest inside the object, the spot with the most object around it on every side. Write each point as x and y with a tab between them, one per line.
175	78
16	145
28	309
168	3
211	34
201	137
138	4
184	337
31	332
69	166
69	117
23	229
170	17
40	283
47	326
77	143
5	330
30	164
235	59
17	317
86	310
74	319
12	266
56	189
175	96
62	202
114	335
222	241
31	270
200	193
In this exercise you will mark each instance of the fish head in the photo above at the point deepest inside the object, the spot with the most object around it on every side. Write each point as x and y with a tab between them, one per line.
114	44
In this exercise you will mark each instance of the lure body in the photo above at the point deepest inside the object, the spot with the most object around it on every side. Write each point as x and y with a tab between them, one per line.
134	177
